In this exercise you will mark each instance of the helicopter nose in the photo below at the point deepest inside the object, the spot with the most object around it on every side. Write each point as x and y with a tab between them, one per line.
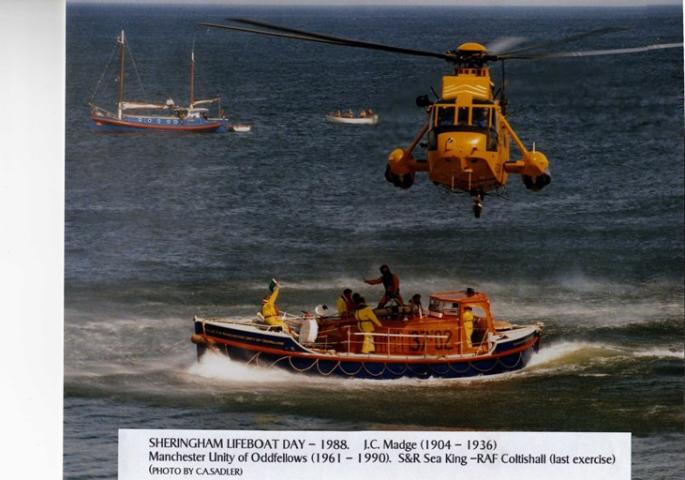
462	144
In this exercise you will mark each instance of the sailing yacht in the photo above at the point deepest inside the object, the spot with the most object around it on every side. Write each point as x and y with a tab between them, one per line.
155	116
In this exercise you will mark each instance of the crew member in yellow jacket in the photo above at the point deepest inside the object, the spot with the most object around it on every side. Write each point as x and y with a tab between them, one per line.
467	317
366	320
344	302
270	310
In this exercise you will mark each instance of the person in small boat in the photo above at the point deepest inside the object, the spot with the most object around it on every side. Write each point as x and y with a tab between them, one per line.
269	309
348	113
362	114
467	318
391	282
344	303
366	322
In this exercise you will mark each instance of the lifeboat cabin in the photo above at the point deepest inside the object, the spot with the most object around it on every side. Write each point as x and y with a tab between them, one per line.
409	330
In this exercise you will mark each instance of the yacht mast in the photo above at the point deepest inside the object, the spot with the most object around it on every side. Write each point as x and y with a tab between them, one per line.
192	77
121	41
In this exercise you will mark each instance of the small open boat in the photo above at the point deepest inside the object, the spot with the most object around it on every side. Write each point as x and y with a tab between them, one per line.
239	128
158	116
410	342
366	117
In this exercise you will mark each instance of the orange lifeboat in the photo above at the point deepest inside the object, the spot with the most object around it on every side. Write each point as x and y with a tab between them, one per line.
455	336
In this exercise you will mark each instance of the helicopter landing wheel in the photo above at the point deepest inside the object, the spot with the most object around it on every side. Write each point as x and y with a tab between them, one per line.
401	181
406	180
477	206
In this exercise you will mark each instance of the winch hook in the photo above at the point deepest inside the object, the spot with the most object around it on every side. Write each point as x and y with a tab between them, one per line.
477	205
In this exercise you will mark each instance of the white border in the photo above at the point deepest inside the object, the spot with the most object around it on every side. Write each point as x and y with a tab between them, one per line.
32	86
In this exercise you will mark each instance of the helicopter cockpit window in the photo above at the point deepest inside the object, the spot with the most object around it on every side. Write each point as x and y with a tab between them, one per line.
481	117
445	116
463	116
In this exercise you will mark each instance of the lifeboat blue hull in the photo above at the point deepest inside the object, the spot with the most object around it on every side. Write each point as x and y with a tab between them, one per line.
380	370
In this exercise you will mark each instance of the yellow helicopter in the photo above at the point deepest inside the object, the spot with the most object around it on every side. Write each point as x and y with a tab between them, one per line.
468	135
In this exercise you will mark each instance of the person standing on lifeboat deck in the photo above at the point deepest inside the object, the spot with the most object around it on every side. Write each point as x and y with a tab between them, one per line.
467	317
366	320
269	309
391	282
344	303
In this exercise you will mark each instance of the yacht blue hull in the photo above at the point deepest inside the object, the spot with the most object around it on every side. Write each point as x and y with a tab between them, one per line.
168	124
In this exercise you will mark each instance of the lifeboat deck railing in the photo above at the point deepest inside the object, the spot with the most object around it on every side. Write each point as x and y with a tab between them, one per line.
345	339
392	343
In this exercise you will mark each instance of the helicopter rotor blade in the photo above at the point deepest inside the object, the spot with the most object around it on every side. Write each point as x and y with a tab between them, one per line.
590	53
565	40
285	32
502	44
270	34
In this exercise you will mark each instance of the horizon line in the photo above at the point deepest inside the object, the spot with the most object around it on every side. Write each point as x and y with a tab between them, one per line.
389	3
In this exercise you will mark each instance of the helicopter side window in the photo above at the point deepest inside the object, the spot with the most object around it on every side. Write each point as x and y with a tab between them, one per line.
445	116
432	140
493	136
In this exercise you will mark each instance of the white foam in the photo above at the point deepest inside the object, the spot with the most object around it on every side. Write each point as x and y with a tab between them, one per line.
661	352
216	366
572	353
